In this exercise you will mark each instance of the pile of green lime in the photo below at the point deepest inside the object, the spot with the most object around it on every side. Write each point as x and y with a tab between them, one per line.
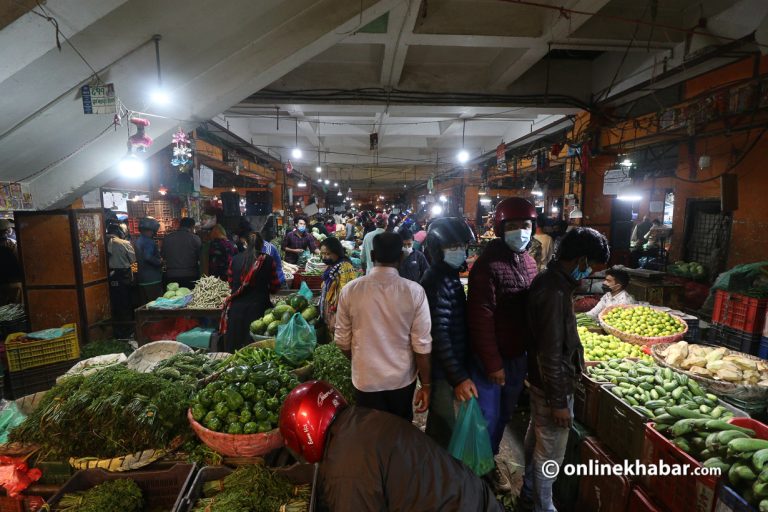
644	321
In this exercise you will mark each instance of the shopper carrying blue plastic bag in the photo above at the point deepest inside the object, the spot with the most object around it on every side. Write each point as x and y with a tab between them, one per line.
470	442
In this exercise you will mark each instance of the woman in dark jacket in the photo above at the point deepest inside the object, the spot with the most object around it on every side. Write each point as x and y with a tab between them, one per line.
252	277
446	244
220	253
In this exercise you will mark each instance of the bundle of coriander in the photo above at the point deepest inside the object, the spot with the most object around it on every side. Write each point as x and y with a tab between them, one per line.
113	412
255	489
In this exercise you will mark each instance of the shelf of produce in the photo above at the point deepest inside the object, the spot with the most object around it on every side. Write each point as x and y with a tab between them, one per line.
146	316
606	493
162	488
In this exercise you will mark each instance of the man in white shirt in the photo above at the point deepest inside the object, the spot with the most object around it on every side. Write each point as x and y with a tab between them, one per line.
383	325
616	280
365	254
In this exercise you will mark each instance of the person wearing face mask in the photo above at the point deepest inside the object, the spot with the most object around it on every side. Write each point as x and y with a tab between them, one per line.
446	244
338	273
614	286
414	263
498	285
298	241
555	359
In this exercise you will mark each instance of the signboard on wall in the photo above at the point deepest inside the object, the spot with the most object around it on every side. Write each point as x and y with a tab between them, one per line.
614	180
206	177
501	158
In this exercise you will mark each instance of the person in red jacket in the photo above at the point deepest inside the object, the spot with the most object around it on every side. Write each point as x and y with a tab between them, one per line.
498	286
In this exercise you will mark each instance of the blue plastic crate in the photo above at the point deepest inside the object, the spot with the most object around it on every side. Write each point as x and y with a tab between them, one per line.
728	500
763	352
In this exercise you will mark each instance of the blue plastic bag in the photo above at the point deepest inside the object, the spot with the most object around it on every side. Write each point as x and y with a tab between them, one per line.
296	340
470	442
304	291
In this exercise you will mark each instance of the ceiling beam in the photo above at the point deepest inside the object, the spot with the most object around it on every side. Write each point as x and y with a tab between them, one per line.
480	41
559	30
397	48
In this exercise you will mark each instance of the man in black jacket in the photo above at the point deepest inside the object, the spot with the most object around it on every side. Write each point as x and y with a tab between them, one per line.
446	244
371	460
555	360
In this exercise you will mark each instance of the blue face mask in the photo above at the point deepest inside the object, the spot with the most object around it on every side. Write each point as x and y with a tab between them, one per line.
517	239
302	229
455	257
579	275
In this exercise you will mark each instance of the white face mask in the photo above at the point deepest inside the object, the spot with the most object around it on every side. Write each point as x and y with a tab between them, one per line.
455	257
517	239
407	250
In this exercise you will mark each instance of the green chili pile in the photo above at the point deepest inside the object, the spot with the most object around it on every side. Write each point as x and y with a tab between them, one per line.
332	366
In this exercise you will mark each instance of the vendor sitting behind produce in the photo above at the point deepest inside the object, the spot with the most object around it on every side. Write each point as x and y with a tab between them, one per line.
616	280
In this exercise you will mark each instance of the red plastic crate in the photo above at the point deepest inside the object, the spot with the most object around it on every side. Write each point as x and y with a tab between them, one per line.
21	504
639	501
685	492
739	311
601	493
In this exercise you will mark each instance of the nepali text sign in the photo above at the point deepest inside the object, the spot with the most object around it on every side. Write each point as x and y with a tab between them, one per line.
99	99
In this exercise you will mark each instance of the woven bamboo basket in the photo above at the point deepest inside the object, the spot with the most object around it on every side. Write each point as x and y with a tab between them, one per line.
237	445
636	339
721	388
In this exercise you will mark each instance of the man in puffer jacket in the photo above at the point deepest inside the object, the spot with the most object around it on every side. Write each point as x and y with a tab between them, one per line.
498	286
446	244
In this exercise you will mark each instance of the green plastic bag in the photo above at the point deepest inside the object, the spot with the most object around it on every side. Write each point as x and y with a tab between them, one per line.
10	417
295	340
470	442
304	291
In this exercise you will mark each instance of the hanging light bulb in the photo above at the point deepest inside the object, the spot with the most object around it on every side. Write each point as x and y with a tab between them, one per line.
463	155
296	153
335	184
485	200
233	189
437	210
443	199
159	95
349	191
301	183
327	182
339	193
537	190
162	190
483	191
318	169
132	166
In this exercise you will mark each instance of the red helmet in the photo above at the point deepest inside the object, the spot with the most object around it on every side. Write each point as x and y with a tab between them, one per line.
307	413
512	208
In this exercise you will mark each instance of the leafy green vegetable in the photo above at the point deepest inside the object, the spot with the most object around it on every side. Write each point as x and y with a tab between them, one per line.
332	366
113	412
101	348
254	489
121	495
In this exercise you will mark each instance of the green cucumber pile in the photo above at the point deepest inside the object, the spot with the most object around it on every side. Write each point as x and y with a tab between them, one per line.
653	391
741	459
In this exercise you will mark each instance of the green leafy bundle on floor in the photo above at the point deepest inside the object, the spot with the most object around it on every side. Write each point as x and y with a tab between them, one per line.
102	348
253	489
113	412
332	366
112	496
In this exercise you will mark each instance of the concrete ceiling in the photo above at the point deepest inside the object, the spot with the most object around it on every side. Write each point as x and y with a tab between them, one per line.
502	67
